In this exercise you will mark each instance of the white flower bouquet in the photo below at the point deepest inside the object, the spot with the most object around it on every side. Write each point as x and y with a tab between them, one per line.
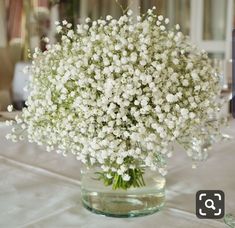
116	93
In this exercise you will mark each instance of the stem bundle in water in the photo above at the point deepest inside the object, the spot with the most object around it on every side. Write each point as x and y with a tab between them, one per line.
136	179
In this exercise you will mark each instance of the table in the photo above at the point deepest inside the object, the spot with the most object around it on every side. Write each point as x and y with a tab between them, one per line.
41	189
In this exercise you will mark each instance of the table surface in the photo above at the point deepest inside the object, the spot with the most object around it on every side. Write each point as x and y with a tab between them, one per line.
41	189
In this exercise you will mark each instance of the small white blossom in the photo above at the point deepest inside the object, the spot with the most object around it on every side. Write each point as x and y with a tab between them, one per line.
108	176
177	27
119	160
58	28
70	33
129	12
158	23
69	25
64	22
46	39
126	177
167	20
160	18
184	111
171	98
87	20
162	27
108	17
10	108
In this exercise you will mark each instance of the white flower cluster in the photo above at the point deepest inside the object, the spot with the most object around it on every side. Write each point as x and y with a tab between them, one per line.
117	92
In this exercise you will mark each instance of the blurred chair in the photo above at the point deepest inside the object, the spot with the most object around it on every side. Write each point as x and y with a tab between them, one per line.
5	99
20	80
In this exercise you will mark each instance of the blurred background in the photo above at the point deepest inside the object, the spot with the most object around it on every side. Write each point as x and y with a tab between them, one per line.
23	24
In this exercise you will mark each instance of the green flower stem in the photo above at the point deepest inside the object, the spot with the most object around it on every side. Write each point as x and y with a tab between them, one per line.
136	179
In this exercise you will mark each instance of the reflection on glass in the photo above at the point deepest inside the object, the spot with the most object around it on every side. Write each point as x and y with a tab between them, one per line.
214	19
178	11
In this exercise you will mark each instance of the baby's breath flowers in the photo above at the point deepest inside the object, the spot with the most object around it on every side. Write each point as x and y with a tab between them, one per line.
115	93
10	108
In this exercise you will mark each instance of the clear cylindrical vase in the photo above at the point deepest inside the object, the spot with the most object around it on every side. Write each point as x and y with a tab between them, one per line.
133	202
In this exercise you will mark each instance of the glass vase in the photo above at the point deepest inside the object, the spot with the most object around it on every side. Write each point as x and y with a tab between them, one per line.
132	202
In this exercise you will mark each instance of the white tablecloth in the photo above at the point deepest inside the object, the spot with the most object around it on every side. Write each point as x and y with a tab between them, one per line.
41	189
